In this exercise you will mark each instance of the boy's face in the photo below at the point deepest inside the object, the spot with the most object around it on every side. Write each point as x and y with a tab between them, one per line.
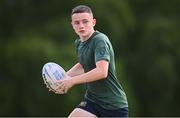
83	24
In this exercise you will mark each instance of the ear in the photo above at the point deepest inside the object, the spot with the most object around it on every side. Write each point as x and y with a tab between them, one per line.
94	22
72	24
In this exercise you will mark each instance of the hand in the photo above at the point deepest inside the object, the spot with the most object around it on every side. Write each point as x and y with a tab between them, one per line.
52	90
65	84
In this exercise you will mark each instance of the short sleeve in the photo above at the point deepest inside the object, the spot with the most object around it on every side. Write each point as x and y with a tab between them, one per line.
102	51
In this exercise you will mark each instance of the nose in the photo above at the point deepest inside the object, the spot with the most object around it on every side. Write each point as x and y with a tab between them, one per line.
81	25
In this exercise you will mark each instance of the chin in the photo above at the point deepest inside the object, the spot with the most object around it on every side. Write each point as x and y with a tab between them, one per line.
83	34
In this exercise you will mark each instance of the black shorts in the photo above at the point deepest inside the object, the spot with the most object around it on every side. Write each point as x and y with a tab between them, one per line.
101	112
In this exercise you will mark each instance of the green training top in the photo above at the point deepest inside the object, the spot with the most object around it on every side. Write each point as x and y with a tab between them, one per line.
108	92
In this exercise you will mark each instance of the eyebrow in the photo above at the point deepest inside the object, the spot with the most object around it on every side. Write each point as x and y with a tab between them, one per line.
80	20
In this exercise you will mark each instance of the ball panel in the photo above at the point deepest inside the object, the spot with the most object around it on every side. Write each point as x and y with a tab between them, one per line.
51	74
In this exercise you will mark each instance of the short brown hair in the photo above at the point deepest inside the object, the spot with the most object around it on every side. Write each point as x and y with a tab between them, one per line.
81	9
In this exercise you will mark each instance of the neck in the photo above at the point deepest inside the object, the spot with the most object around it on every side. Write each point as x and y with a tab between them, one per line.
87	37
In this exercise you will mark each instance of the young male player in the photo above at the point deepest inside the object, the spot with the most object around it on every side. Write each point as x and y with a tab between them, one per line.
104	96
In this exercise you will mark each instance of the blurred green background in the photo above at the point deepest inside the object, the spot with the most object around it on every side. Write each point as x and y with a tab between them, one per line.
145	35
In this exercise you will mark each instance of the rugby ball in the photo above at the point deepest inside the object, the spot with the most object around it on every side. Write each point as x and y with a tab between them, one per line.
52	73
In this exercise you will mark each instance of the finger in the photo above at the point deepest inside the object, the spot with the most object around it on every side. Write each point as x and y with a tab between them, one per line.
60	83
60	89
50	90
47	86
66	89
61	86
59	92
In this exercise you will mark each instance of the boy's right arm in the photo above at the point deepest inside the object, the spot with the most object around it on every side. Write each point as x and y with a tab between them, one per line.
77	69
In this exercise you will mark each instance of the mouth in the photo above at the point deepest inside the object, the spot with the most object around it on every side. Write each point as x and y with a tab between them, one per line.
81	31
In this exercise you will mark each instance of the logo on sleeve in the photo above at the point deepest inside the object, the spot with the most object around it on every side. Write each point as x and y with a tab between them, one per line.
102	51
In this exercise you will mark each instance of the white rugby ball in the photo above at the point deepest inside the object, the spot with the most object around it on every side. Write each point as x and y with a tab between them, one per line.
51	74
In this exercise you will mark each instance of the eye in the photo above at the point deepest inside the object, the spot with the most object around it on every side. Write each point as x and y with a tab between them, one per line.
76	23
85	21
